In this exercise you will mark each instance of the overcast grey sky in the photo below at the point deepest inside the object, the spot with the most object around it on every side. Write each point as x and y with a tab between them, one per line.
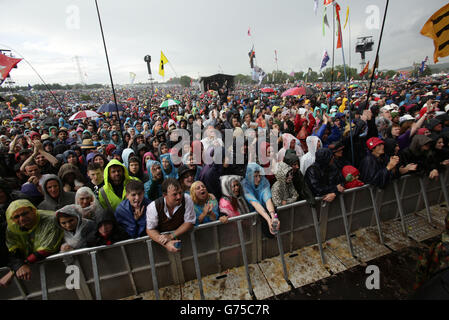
200	37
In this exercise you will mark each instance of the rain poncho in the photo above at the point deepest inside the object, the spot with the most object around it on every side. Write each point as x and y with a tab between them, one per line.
286	139
282	190
261	193
85	228
153	189
105	140
125	156
173	172
229	204
42	240
309	158
322	177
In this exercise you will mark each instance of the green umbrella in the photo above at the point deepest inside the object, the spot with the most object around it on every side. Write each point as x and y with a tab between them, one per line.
169	103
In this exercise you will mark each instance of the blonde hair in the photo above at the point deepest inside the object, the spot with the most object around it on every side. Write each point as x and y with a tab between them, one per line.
193	194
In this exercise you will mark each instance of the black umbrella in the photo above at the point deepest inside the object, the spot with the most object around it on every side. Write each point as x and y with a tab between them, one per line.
110	107
50	122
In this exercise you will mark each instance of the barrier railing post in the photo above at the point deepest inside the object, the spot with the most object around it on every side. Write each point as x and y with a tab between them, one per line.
153	269
292	228
317	234
444	188
376	214
426	200
324	213
43	281
281	252
93	256
378	199
128	268
400	209
197	264
245	258
345	222
20	287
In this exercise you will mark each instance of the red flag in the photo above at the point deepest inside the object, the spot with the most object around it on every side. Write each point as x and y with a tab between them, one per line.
328	2
337	9
6	64
365	70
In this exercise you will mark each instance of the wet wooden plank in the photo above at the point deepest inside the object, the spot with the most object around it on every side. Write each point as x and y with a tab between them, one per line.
191	291
305	267
393	236
339	248
229	285
367	245
272	270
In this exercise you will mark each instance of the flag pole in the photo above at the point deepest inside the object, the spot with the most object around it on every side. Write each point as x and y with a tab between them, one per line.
376	61
37	73
109	68
347	89
333	52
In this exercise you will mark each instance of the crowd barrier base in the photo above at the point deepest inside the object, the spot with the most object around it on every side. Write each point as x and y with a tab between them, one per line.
236	261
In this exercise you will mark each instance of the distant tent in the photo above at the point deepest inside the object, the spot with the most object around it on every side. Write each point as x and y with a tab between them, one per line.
216	81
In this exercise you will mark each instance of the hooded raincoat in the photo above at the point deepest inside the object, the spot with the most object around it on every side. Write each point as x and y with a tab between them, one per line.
63	199
309	158
113	199
281	190
85	228
229	204
42	240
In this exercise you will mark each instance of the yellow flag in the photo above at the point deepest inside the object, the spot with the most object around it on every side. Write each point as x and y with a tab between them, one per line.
164	60
436	28
347	16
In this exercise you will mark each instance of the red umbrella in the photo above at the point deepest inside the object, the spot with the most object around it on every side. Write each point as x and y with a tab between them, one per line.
84	114
22	116
267	90
297	91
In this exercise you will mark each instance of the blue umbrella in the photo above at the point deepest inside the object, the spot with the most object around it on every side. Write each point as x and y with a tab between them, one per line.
110	107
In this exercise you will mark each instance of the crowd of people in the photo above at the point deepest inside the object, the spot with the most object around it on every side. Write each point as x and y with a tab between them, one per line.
92	182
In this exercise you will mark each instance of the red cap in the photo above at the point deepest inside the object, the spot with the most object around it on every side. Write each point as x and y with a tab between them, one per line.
371	143
422	131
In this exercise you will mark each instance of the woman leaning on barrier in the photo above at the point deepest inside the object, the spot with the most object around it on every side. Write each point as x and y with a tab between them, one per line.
232	203
205	204
257	192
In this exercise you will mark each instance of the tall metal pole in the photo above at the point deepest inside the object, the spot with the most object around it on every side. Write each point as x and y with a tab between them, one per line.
333	52
109	68
347	89
377	56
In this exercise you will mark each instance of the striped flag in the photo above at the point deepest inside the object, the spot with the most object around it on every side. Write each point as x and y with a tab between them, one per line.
437	28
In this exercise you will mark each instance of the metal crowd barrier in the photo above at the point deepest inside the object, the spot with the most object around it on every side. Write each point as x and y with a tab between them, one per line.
139	265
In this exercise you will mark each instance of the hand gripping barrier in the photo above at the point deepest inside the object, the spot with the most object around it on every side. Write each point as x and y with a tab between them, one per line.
139	265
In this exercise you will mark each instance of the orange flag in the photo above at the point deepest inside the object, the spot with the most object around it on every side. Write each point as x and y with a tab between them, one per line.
365	70
436	28
337	10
